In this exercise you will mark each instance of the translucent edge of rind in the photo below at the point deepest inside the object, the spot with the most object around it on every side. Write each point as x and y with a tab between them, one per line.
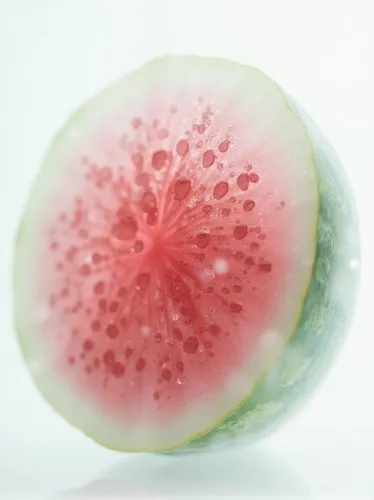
327	313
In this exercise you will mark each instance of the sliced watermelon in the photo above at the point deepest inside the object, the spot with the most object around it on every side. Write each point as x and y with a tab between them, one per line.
187	262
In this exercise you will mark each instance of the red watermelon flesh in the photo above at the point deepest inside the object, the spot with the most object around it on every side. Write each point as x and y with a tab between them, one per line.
163	267
171	249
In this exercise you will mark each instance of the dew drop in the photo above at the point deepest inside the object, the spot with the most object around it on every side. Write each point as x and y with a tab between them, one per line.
214	330
240	231
159	159
163	133
138	246
190	345
220	190
200	128
142	179
152	217
148	202
182	147
108	356
180	366
202	240
208	158
243	181
125	229
224	146
138	160
177	334
248	205
249	262
166	374
235	307
117	369
140	364
182	188
142	281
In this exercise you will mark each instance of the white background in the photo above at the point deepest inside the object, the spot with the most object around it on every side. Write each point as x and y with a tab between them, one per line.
53	55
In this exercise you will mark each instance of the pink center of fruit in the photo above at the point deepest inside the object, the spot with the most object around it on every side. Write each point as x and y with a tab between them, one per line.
161	271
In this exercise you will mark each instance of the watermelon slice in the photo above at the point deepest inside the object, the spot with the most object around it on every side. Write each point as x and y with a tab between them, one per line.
186	266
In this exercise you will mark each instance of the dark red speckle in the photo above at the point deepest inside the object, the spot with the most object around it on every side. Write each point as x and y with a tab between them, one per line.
265	267
190	345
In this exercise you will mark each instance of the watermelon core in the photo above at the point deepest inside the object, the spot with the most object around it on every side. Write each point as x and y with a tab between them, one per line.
167	252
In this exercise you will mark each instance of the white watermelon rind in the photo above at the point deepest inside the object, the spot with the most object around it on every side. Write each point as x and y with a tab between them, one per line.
273	395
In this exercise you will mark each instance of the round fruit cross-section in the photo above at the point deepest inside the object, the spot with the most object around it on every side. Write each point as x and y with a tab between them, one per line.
166	251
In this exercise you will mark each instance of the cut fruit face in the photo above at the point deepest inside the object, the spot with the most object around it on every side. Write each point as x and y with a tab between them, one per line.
166	251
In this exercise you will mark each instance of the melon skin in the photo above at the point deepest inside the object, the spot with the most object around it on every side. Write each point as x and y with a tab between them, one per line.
327	312
323	322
